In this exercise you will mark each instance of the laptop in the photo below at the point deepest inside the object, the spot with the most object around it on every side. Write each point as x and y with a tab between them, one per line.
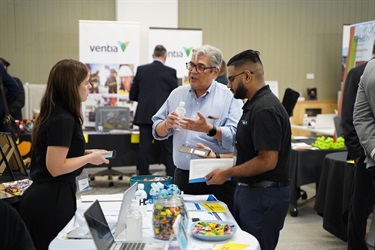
102	235
83	232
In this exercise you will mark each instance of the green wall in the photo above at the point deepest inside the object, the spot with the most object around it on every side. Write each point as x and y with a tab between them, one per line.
295	37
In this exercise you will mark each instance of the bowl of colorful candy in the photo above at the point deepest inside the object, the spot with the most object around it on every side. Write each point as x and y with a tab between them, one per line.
213	230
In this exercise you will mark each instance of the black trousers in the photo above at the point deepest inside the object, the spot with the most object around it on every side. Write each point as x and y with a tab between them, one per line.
13	231
46	208
144	151
361	205
224	192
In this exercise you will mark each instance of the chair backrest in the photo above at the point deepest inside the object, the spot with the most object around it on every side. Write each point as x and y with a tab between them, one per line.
10	155
290	100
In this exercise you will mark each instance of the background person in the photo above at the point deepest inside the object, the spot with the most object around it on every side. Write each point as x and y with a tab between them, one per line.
203	97
58	154
222	78
261	198
13	232
363	116
15	106
10	88
151	86
362	194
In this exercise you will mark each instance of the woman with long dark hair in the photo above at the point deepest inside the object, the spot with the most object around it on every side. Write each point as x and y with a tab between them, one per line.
58	153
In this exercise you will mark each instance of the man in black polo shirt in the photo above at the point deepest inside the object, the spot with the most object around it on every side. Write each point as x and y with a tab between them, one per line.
263	136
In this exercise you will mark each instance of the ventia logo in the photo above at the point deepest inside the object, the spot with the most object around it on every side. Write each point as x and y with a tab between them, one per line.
109	48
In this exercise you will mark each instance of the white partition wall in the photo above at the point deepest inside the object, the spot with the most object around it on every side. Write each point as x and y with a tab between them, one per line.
25	109
148	14
33	96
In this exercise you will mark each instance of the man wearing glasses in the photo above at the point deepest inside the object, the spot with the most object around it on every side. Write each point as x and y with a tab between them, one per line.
211	118
263	145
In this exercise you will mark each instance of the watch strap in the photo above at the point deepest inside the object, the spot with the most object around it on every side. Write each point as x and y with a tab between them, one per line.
212	131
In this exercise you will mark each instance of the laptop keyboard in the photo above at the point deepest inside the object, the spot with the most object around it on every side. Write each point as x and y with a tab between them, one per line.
132	246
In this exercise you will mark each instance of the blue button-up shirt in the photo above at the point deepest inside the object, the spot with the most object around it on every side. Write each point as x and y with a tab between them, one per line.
218	102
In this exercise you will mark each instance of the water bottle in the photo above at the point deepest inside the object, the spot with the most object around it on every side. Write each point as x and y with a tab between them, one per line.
141	195
134	223
181	111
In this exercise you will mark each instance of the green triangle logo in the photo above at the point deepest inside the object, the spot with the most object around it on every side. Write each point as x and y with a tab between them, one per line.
123	45
188	51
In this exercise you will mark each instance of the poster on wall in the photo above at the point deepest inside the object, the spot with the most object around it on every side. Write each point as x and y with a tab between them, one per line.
358	47
111	52
179	44
361	44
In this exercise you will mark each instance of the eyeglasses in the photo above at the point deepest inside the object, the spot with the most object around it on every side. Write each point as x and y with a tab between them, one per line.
231	78
200	68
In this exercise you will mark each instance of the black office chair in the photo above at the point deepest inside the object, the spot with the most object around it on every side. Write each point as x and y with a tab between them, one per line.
290	100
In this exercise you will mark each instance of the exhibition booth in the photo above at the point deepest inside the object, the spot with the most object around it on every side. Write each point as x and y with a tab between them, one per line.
113	58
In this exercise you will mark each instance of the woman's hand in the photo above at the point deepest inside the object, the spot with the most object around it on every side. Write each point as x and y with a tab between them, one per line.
58	164
97	156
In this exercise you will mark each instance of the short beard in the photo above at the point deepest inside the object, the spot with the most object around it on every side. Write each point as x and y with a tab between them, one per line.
241	91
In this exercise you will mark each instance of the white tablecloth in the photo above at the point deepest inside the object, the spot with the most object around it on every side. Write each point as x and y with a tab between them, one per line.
111	206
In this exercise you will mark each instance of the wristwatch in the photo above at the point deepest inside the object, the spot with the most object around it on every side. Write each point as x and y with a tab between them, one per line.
212	132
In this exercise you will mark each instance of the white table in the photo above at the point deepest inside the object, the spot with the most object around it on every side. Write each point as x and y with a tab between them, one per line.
111	210
323	131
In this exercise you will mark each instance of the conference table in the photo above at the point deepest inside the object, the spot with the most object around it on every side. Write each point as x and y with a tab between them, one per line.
305	166
334	192
315	131
111	206
125	142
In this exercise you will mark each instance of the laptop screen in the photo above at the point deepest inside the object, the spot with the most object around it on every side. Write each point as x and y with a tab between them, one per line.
100	231
129	194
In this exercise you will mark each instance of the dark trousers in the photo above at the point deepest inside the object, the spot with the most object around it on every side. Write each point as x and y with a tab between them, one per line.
361	205
144	151
261	212
46	208
222	192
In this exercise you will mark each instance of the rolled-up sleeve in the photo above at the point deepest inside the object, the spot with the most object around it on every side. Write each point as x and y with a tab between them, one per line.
160	116
229	128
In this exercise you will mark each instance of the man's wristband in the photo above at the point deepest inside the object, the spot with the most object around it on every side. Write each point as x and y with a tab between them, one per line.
217	155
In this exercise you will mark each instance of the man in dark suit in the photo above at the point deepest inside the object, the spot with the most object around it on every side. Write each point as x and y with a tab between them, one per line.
15	107
362	198
10	88
151	86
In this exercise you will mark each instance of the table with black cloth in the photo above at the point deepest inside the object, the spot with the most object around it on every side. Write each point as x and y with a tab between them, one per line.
304	168
334	192
125	144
